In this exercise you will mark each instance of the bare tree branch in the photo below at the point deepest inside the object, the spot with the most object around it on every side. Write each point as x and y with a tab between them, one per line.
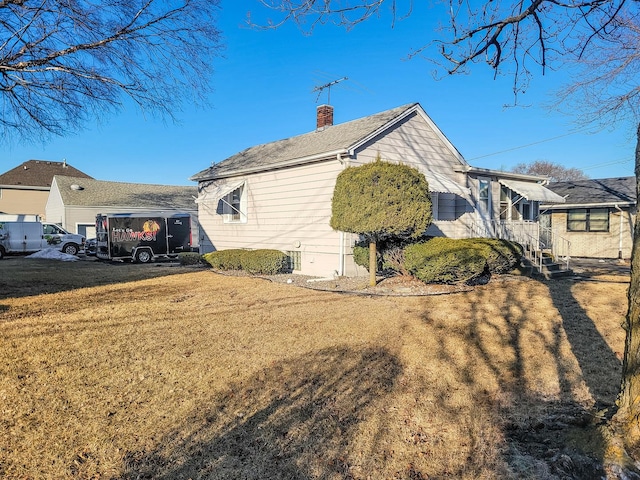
339	12
62	62
517	38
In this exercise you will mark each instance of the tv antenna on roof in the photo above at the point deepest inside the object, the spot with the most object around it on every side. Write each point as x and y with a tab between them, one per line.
328	87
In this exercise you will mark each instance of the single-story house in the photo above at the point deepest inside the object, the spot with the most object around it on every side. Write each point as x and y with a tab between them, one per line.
278	195
597	218
74	202
25	188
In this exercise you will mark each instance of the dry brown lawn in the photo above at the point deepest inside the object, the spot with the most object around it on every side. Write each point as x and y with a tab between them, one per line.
145	371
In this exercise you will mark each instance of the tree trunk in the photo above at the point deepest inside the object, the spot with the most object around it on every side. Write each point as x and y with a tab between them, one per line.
373	263
625	424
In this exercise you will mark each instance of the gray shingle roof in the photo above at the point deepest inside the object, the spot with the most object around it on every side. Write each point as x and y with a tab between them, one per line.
596	191
99	193
38	173
325	141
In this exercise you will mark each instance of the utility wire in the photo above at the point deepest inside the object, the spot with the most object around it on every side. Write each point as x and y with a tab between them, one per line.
527	145
598	165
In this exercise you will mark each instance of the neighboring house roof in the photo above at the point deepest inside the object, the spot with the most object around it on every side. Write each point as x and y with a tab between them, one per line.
596	192
38	173
320	144
86	192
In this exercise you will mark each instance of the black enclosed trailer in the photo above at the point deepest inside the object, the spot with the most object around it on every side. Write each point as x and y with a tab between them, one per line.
144	236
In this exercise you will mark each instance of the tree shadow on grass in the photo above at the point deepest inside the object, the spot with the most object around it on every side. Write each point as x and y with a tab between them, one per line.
594	355
294	419
550	431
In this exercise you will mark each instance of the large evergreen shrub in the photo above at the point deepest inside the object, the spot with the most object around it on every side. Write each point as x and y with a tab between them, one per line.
446	260
379	201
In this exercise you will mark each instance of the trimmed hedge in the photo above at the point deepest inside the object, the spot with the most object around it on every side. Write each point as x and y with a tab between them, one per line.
361	256
502	255
257	262
190	258
445	260
442	260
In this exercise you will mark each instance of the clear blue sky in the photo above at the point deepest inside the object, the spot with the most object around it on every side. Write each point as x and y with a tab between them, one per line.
263	92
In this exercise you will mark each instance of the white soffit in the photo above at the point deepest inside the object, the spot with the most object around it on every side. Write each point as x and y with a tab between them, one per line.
532	191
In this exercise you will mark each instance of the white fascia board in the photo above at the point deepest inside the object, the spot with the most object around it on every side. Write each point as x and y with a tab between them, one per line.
507	175
565	206
24	187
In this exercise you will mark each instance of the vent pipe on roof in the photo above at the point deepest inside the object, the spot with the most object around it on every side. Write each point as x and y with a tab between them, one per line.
324	116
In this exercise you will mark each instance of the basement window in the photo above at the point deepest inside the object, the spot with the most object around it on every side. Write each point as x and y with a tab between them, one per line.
294	260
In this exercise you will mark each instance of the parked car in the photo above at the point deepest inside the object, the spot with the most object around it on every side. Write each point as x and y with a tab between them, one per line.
91	247
23	237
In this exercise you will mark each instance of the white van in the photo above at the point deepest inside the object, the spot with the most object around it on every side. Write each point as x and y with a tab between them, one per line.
29	237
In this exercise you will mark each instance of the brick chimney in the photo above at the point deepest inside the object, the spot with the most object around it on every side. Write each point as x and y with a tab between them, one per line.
324	116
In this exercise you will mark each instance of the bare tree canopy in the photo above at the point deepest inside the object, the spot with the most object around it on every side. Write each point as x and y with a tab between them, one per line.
555	172
64	61
517	39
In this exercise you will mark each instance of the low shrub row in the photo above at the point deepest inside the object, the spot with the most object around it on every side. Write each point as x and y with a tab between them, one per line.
446	260
190	258
260	262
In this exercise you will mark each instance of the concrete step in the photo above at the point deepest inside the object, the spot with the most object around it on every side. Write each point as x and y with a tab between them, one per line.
550	269
560	272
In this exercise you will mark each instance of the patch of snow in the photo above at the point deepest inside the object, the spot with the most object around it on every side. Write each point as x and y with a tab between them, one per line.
53	254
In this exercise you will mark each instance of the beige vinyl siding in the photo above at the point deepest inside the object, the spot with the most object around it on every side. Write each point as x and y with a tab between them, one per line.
287	210
54	207
79	215
31	202
415	143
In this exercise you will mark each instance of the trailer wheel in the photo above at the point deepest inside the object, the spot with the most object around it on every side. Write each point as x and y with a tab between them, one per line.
2	253
70	249
143	256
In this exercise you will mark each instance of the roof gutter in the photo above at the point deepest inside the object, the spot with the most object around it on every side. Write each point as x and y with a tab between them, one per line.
507	175
342	240
289	163
24	187
564	206
619	234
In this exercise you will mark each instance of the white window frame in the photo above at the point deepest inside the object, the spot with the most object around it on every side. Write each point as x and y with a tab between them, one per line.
516	204
486	211
235	211
434	205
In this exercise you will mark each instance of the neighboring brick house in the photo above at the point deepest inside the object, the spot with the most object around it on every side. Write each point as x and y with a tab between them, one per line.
25	188
597	217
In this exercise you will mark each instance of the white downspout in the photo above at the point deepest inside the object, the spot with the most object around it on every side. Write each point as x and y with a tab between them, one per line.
620	238
341	254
